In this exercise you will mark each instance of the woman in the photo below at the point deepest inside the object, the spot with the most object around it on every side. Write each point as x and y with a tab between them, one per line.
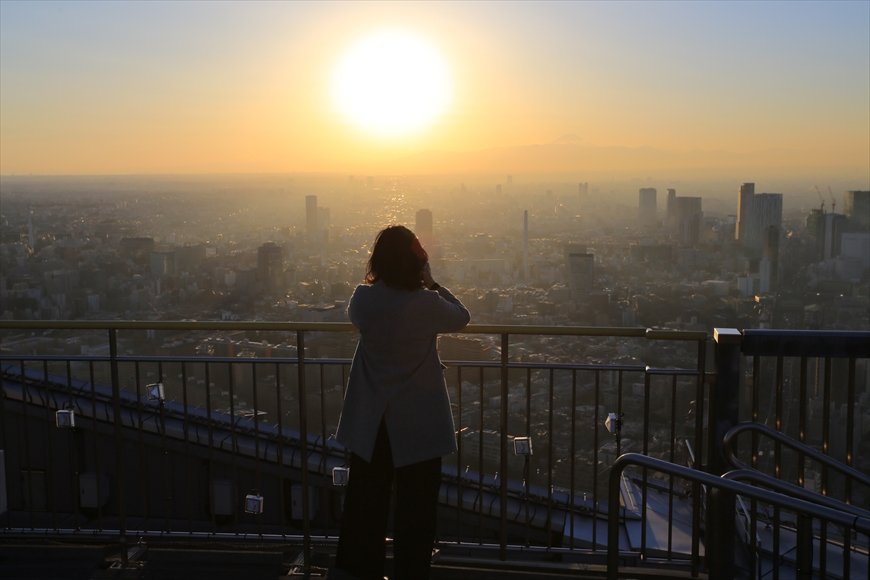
396	420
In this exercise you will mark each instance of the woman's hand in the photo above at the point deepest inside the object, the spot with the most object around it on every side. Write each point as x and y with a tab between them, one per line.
426	275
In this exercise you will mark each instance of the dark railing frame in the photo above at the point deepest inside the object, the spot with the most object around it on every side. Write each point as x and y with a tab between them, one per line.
847	520
504	331
731	346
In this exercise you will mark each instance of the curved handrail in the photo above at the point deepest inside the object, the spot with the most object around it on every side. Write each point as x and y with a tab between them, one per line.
728	442
794	490
851	521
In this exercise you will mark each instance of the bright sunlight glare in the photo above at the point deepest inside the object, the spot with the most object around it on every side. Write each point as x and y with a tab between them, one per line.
391	83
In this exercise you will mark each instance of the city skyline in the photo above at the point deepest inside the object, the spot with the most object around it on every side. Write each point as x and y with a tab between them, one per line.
593	89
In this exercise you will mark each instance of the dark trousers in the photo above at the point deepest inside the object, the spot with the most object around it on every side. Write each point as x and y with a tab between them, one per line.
361	545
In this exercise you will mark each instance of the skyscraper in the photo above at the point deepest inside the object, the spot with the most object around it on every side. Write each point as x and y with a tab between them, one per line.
744	203
669	209
686	217
756	214
646	206
857	208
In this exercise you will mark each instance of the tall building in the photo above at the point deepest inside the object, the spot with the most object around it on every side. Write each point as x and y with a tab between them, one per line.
270	267
646	206
687	218
311	218
857	208
744	203
833	227
580	267
669	209
756	214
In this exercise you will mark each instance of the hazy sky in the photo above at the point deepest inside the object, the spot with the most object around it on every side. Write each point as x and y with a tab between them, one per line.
168	87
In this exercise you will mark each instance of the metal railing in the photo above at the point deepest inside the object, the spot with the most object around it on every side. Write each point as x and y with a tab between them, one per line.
228	422
798	386
717	485
247	409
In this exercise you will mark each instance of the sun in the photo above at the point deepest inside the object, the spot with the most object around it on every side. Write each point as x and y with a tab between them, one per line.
391	83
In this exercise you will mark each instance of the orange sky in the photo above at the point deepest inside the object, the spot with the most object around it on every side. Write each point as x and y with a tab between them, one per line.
90	88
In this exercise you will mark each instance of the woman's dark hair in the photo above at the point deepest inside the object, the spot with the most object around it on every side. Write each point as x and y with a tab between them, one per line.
397	259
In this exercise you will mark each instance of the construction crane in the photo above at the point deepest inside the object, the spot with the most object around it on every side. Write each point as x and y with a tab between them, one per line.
833	200
821	199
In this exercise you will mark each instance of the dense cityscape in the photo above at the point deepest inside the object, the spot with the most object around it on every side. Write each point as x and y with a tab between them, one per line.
517	253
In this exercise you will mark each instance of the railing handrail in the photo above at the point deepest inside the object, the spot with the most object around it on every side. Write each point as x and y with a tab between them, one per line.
851	521
809	343
794	490
601	331
729	442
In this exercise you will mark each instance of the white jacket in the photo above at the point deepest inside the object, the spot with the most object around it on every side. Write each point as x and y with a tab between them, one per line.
396	373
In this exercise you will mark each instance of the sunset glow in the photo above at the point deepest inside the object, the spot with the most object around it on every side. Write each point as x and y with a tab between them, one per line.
610	88
391	83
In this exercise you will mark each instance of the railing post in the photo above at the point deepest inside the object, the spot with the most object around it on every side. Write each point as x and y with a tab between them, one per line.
503	444
303	442
119	442
722	415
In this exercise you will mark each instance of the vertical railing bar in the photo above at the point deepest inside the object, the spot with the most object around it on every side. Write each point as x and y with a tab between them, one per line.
74	451
573	452
700	404
850	424
234	447
672	459
322	419
24	426
143	449
756	376
120	472
280	446
258	461
595	427
167	458
503	427
802	418
647	381
527	472
187	460
480	461
303	437
459	489
550	461
210	453
51	491
97	470
619	410
777	447
700	407
3	440
826	424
